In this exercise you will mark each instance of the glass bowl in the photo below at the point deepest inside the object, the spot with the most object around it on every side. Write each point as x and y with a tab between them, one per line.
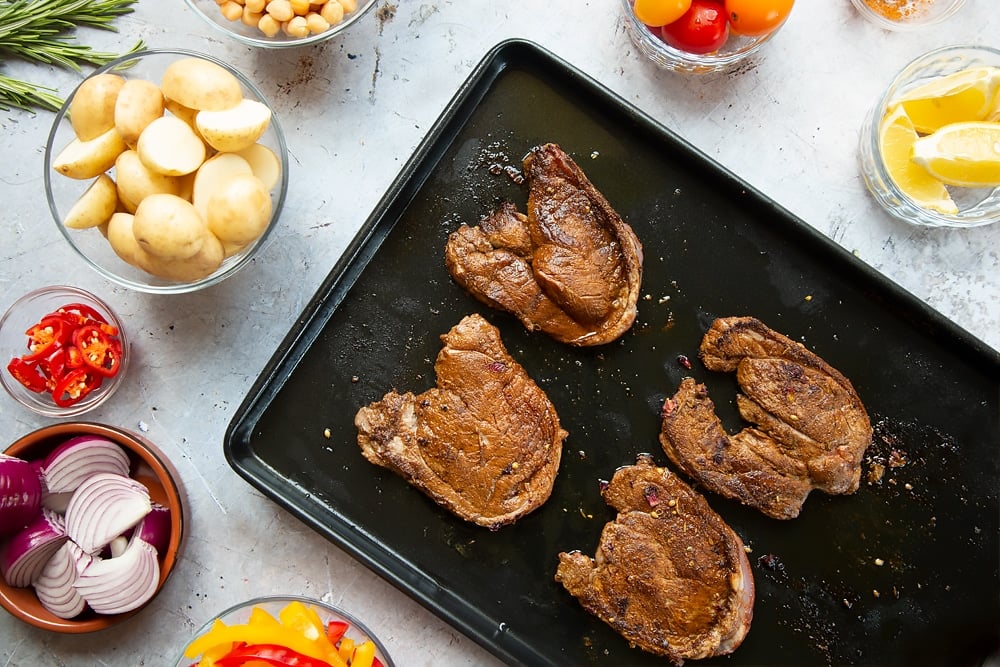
249	33
737	50
976	206
149	466
91	244
317	612
906	14
27	312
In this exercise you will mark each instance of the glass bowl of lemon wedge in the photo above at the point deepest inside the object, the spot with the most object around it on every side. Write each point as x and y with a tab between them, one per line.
929	149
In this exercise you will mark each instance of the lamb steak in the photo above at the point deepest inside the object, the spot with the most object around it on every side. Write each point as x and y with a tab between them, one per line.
669	574
485	443
570	267
808	427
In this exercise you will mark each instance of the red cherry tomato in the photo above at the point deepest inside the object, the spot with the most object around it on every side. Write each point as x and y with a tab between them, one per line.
757	17
702	29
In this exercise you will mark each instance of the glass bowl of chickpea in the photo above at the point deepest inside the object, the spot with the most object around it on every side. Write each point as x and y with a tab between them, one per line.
281	23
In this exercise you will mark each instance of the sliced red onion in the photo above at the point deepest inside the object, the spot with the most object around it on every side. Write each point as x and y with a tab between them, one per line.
23	556
103	507
78	458
54	587
20	494
155	528
121	584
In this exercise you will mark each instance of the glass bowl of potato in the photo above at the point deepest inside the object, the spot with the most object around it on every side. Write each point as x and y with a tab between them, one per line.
275	24
166	171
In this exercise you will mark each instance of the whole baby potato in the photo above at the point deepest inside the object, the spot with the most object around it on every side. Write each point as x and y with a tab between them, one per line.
91	158
95	205
240	210
201	84
169	146
139	103
169	227
135	181
202	264
92	111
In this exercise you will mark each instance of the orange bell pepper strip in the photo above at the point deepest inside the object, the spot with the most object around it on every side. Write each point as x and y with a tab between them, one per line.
279	635
364	654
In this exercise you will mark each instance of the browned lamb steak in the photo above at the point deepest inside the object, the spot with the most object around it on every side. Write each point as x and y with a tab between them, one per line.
571	267
809	428
485	443
669	574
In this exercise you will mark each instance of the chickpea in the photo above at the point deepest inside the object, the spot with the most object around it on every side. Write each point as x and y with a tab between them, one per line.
250	18
348	5
280	10
296	27
268	25
332	12
300	7
231	10
316	23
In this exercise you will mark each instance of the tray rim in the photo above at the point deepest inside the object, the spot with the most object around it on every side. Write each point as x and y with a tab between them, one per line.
307	327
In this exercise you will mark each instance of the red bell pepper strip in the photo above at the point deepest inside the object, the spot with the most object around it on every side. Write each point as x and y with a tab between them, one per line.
335	630
271	654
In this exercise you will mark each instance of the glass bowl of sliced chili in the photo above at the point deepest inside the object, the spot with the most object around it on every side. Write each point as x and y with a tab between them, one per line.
65	351
285	630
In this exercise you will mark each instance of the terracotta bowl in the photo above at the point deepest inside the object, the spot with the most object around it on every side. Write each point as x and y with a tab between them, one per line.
149	466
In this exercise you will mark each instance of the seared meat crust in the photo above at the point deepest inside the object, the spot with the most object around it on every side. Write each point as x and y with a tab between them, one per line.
485	443
809	428
669	575
570	267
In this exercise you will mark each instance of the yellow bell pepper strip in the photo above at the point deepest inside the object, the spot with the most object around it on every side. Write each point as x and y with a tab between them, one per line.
267	654
346	648
260	634
364	655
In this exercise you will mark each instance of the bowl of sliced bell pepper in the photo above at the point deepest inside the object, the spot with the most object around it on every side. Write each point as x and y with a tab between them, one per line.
65	351
284	630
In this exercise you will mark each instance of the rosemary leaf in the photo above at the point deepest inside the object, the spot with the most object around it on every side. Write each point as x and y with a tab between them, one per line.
27	96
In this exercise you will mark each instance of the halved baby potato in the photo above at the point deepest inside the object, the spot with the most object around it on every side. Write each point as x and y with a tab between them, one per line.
202	264
212	174
169	146
236	128
123	241
139	103
92	111
136	181
95	206
264	162
91	158
201	84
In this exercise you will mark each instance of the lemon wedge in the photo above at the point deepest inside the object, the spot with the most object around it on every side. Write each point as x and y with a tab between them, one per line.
896	139
962	154
966	95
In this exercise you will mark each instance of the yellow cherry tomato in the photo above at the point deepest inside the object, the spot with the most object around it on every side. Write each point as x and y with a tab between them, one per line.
754	18
658	13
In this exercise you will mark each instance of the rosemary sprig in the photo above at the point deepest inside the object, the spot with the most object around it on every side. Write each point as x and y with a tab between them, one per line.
42	31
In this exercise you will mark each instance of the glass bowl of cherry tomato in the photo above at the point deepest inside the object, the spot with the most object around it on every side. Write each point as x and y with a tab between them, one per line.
703	36
65	351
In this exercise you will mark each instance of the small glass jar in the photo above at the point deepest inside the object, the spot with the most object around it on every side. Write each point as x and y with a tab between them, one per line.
906	14
737	50
976	206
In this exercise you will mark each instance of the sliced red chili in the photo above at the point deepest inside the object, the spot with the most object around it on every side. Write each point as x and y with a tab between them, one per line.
97	349
86	311
74	386
27	374
270	654
49	333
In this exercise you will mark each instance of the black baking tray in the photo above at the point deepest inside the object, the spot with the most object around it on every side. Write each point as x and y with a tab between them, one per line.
904	572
